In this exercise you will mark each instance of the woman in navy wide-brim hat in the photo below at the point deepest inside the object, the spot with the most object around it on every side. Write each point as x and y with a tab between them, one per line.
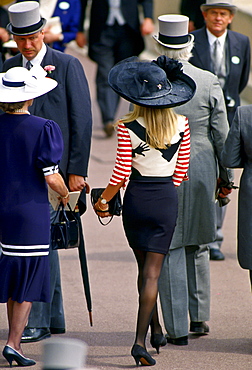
153	152
30	151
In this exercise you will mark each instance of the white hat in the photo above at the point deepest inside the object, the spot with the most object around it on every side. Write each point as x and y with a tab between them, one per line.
173	31
25	18
19	84
64	353
222	4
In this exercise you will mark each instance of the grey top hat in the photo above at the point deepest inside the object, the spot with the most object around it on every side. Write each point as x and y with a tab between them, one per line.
157	84
25	18
173	31
226	4
64	353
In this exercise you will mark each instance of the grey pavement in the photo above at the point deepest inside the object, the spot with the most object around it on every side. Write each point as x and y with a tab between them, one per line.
113	272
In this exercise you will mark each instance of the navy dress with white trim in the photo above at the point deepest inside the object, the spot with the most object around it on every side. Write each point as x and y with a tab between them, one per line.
31	147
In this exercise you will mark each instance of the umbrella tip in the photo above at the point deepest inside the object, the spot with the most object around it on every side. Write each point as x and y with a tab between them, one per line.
90	318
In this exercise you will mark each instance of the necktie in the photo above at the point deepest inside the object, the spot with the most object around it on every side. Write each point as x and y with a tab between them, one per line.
217	56
28	65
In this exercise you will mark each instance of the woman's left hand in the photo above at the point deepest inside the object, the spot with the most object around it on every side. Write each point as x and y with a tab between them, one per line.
101	210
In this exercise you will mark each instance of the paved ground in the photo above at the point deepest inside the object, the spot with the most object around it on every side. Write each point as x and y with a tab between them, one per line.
112	272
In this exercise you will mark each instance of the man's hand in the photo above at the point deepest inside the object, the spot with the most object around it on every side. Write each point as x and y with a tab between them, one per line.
147	26
4	36
81	40
51	37
78	183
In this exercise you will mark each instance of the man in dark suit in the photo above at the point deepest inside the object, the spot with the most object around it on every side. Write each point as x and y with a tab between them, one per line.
114	34
227	54
191	8
69	105
235	51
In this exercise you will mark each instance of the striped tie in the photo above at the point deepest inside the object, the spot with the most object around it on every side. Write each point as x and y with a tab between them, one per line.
28	65
217	56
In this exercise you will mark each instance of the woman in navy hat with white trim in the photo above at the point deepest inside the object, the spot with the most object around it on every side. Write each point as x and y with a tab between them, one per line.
31	148
153	151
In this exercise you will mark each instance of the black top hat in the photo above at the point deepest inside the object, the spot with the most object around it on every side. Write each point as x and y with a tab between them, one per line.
154	84
25	18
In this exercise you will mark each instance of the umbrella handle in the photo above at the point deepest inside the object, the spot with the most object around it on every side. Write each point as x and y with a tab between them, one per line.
90	318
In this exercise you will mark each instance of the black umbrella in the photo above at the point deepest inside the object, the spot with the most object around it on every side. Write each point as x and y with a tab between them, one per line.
84	272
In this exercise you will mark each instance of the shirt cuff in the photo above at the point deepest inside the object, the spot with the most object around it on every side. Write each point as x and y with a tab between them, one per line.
51	170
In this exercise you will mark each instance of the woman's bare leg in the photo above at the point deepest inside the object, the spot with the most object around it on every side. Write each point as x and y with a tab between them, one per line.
17	317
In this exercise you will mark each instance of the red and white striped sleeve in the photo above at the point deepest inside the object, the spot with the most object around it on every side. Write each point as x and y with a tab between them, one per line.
122	168
180	173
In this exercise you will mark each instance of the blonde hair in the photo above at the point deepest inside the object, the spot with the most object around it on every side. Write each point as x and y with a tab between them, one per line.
161	124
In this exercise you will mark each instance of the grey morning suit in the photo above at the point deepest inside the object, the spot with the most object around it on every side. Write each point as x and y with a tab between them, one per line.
187	264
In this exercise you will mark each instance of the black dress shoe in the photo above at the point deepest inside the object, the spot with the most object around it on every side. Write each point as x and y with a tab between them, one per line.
199	328
181	341
216	255
57	330
108	129
35	334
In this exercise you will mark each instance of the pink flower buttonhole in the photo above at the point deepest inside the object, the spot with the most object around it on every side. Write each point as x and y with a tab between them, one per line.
49	69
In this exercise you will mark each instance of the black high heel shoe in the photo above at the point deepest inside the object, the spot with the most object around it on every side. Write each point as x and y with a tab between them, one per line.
157	340
141	355
11	355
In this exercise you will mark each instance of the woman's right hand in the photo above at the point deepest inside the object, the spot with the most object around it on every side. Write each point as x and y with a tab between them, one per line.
64	199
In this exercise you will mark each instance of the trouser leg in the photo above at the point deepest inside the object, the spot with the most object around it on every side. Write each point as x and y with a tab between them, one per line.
220	215
107	99
116	43
173	292
198	277
104	56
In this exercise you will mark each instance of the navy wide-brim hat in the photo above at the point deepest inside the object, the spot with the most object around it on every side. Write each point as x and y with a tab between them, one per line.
154	84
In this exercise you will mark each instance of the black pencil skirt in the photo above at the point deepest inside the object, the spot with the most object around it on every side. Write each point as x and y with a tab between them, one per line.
149	215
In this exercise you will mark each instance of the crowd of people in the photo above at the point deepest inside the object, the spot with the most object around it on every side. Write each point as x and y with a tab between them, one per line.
184	132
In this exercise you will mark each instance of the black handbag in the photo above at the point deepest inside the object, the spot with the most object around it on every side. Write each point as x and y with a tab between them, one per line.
65	232
115	204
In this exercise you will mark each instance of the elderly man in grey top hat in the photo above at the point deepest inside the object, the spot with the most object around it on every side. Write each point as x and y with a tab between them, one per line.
227	54
185	280
69	106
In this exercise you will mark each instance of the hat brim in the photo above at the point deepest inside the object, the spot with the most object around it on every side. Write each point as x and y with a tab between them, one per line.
205	7
183	89
17	94
175	46
9	28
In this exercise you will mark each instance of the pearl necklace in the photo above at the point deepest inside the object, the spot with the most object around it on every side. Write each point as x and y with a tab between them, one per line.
19	111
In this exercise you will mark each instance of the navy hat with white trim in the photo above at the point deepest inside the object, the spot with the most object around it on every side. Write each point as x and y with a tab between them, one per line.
18	84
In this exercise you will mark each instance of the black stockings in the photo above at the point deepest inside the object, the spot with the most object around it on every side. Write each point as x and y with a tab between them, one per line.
149	268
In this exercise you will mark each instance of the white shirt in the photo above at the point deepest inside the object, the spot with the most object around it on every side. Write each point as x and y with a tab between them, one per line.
115	13
212	39
222	39
38	58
